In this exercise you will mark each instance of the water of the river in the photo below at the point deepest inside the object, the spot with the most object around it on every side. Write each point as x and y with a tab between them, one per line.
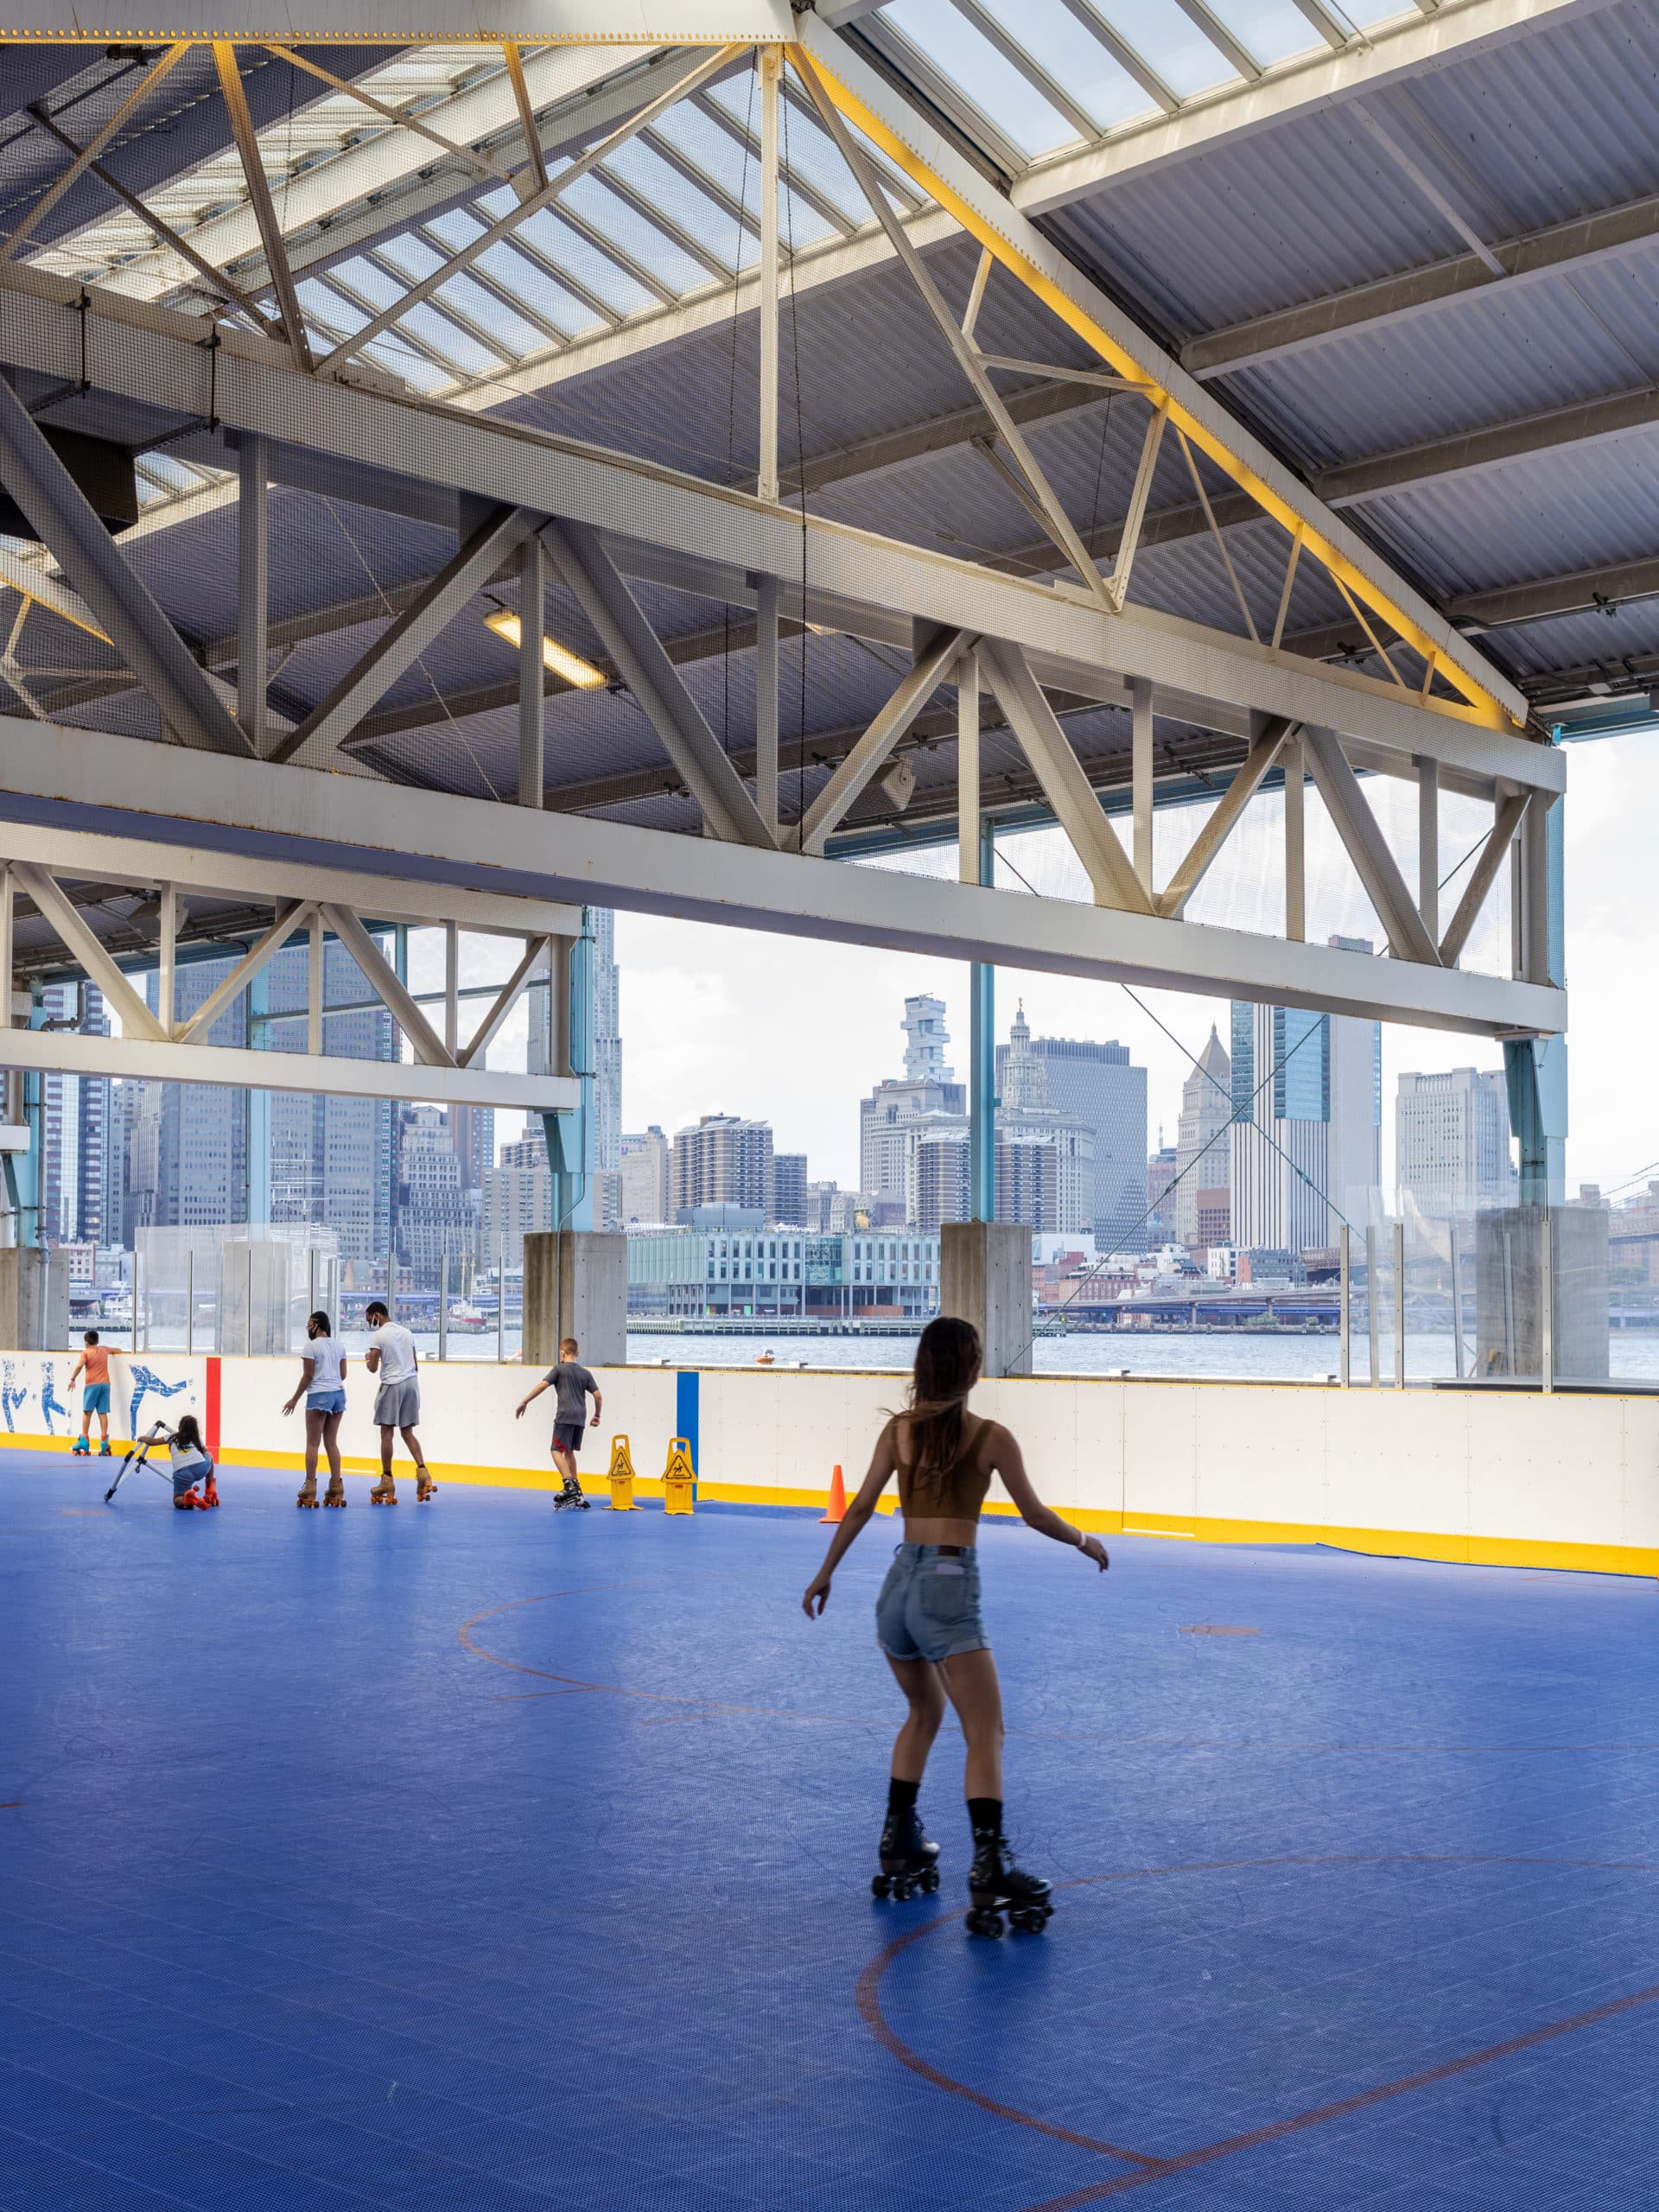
1233	1357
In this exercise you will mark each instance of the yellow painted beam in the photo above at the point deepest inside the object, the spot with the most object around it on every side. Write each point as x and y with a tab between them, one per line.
1487	709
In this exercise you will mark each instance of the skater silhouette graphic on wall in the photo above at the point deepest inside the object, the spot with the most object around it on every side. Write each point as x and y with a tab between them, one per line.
147	1383
49	1398
12	1392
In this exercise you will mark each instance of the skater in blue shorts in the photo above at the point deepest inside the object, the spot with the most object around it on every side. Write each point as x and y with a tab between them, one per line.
94	1364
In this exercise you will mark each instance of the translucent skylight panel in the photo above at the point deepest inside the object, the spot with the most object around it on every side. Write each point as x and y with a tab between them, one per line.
716	154
1058	43
399	359
541	295
449	340
378	286
413	257
809	154
1269	29
969	61
1367	18
559	244
1169	41
800	224
661	185
491	313
589	198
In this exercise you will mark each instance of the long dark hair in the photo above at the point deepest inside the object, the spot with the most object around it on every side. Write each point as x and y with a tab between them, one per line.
947	1368
188	1435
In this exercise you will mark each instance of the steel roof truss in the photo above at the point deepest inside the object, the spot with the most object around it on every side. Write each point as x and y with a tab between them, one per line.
1265	748
254	168
933	665
1356	826
1065	787
89	153
1506	826
58	911
658	689
475	561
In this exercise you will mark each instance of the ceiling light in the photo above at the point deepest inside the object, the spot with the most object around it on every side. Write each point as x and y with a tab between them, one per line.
579	674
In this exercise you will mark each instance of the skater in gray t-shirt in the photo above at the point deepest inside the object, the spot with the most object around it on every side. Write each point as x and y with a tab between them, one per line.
573	1385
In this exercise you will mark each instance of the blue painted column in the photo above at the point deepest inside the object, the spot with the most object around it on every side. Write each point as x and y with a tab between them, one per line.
981	1064
571	1138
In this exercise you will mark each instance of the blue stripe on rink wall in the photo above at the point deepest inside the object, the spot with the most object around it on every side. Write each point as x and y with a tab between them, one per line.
685	1417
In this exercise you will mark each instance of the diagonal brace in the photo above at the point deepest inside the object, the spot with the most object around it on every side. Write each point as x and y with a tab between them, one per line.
289	919
95	565
1375	864
598	587
72	926
1505	827
389	988
475	561
537	950
930	669
1265	744
1065	787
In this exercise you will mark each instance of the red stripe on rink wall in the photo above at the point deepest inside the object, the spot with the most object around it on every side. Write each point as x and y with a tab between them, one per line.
210	1423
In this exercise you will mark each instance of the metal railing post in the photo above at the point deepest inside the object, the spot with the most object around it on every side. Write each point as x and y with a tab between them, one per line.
1546	1302
1376	1380
248	1331
1457	1306
1399	1305
1346	1308
444	1305
190	1300
501	1297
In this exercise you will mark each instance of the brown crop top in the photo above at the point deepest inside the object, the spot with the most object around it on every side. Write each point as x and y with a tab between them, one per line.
955	1494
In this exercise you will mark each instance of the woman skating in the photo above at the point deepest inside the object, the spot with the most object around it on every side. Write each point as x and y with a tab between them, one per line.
322	1383
927	1617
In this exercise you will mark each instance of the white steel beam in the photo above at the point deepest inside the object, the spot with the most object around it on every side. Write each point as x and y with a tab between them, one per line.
1378	869
405	22
389	988
95	565
153	865
55	775
230	987
1223	819
1508	816
538	953
145	1060
149	354
63	917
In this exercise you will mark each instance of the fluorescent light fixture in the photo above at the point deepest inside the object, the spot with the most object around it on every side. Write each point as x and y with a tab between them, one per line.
579	674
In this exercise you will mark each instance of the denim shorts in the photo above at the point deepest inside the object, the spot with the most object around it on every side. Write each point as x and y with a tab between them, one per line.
929	1607
95	1398
325	1401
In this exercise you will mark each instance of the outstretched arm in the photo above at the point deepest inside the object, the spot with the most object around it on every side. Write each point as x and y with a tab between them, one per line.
519	1411
1010	1464
856	1519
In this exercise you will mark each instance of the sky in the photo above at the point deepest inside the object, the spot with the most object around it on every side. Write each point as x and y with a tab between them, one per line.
795	1032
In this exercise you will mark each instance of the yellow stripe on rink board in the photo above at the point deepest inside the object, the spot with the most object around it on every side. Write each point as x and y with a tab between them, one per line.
1445	1546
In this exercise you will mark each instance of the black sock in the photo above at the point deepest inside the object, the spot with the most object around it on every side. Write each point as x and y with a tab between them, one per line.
901	1798
985	1815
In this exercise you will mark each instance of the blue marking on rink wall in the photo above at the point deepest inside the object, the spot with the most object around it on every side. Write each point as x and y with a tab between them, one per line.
685	1417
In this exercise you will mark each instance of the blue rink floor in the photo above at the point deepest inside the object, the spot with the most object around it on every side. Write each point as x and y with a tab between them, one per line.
476	1857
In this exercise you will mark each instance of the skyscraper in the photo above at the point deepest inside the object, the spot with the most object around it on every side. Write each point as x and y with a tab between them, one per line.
74	1118
927	1086
607	1044
1044	1157
789	1188
433	1217
1452	1141
332	1158
1203	1153
645	1156
1307	1113
722	1160
1097	1085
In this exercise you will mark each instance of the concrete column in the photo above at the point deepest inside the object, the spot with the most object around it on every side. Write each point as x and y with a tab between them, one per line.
33	1300
985	1278
576	1285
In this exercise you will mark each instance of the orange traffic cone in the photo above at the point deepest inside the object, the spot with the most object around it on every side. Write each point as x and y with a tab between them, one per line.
837	1500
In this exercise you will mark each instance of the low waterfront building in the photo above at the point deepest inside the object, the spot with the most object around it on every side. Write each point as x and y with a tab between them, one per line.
706	1275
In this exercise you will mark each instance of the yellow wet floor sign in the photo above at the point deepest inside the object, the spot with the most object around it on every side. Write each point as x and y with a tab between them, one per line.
622	1475
678	1477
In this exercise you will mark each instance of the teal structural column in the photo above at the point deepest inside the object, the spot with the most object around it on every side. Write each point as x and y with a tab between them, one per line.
982	1067
257	1165
24	1179
571	1137
1535	1068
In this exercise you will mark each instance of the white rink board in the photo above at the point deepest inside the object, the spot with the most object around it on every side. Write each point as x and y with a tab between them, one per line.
1430	1473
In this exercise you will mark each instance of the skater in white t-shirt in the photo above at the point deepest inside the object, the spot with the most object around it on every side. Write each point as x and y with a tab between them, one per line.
391	1357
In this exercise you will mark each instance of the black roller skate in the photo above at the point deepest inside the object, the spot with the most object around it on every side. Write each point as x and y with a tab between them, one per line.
909	1861
570	1495
996	1884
